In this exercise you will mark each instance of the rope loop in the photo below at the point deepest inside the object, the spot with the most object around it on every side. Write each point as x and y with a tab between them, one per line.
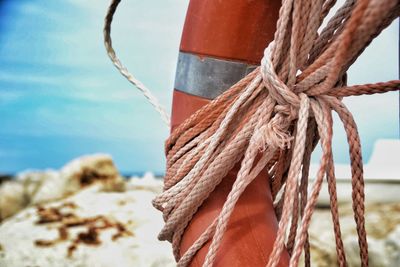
272	82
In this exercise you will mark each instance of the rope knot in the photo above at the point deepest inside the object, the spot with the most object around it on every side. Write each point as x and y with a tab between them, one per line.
279	90
274	134
289	111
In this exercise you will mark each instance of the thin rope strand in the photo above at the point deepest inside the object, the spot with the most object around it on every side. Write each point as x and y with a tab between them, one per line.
123	70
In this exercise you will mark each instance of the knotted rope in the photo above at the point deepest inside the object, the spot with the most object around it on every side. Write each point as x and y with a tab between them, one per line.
273	118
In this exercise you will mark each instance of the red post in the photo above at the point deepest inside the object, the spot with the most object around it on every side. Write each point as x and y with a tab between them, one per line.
221	42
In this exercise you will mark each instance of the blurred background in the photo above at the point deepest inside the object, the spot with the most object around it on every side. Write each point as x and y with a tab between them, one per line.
60	96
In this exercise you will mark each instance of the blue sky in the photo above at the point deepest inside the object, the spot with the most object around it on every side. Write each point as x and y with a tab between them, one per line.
60	97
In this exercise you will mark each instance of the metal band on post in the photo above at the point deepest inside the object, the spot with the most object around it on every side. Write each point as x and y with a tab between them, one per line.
208	77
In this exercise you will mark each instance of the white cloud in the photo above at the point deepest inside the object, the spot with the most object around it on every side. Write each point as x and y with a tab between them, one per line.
6	76
9	96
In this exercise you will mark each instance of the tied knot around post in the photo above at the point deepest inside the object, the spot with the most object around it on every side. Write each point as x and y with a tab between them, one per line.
278	89
276	133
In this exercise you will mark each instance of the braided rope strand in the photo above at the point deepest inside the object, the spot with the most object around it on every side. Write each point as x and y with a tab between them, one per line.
123	70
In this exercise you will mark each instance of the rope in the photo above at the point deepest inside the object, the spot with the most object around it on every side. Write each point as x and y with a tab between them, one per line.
123	70
274	118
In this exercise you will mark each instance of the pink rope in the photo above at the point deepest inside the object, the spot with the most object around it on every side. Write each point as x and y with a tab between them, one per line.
298	84
274	118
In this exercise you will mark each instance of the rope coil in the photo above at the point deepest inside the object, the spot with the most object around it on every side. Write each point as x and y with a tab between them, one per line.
273	118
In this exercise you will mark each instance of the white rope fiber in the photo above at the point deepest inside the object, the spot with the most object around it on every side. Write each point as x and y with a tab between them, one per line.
124	71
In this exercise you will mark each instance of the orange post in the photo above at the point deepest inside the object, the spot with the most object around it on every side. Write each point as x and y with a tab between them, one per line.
221	42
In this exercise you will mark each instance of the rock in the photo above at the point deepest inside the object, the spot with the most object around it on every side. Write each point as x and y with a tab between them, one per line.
88	170
90	228
86	212
12	199
147	182
382	226
41	186
18	193
36	187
